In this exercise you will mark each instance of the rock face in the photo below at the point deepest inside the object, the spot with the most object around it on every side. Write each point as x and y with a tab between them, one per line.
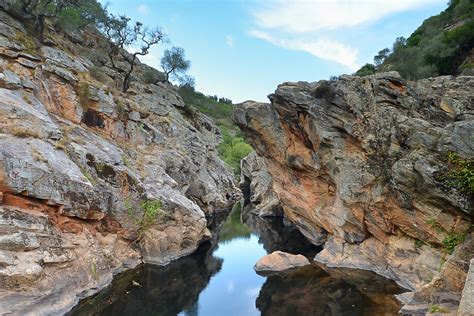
92	180
256	185
466	306
280	261
365	161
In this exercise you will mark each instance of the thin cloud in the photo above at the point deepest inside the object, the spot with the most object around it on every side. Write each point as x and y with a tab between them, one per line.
302	16
143	9
229	41
321	48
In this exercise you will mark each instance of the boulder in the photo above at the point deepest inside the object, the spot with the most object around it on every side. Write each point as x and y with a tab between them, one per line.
279	261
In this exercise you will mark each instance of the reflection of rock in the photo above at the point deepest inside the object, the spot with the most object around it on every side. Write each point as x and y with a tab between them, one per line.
275	235
256	184
161	290
312	291
280	261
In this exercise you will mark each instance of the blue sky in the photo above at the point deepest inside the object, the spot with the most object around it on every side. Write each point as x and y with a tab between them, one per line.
242	49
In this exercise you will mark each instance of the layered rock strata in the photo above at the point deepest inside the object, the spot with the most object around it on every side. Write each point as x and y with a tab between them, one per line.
92	180
366	161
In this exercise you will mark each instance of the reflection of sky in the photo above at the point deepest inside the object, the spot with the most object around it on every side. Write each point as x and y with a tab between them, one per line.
235	288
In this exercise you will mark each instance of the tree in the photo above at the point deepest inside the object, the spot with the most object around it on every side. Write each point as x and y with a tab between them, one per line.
381	56
37	11
80	15
121	36
175	64
367	69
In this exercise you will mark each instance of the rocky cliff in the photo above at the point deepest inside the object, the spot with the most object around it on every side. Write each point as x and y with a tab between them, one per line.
92	180
369	168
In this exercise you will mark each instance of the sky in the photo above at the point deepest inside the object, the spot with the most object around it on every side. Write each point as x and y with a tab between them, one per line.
242	49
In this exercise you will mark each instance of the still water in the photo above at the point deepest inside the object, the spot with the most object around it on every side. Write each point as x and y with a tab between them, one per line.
219	280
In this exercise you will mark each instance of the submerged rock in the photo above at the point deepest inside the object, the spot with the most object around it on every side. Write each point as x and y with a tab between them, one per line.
280	261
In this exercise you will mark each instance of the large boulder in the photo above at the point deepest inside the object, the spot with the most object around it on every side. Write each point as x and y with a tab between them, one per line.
279	261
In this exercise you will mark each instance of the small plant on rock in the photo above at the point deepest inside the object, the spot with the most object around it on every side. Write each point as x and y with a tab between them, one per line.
453	240
151	210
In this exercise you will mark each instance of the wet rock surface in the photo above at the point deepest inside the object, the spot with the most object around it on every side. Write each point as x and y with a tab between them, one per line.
364	160
94	181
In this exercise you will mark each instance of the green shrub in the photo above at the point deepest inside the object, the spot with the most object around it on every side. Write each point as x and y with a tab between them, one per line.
437	309
150	208
232	150
460	173
453	240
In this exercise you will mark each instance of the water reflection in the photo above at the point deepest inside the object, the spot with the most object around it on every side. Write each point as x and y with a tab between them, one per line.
313	291
151	290
219	280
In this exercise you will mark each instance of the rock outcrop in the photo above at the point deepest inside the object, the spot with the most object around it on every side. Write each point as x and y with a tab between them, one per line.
92	180
466	305
279	261
366	160
256	186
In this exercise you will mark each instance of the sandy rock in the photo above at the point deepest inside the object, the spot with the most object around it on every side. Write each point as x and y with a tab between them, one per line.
280	261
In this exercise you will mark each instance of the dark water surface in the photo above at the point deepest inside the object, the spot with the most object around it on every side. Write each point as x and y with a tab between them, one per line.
219	280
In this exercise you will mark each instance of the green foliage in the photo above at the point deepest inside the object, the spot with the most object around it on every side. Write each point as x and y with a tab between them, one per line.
460	173
150	208
232	150
94	272
175	64
233	226
453	240
418	243
437	309
434	224
438	47
367	69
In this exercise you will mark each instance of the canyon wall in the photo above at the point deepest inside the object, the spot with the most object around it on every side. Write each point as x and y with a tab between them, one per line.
92	180
368	166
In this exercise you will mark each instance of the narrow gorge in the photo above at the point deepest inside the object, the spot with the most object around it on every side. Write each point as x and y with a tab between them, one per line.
126	191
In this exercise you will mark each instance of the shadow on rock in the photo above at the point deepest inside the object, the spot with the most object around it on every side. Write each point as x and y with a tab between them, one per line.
275	235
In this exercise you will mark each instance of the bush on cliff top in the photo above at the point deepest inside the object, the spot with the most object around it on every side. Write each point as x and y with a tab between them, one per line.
438	47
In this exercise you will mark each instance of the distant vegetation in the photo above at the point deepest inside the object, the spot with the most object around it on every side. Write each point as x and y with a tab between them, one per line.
233	148
438	47
233	227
